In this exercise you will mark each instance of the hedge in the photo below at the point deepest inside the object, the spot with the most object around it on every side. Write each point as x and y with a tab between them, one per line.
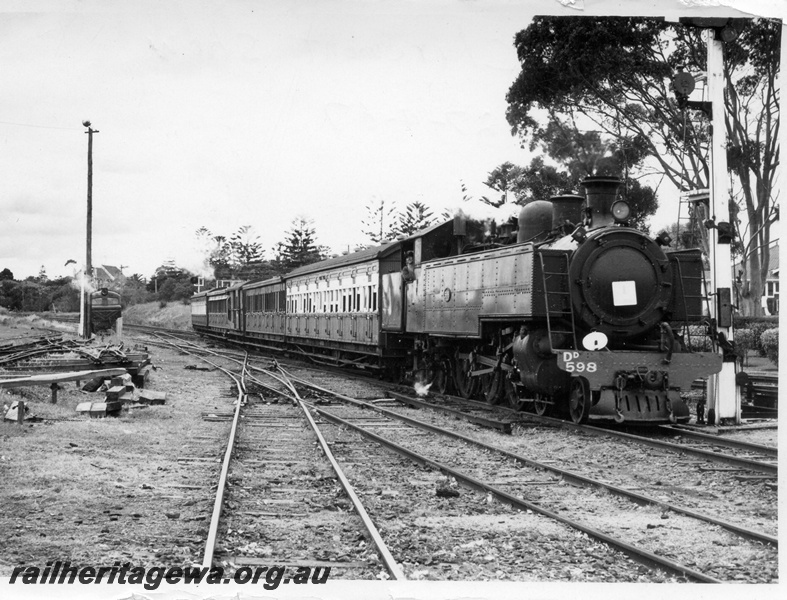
745	340
758	326
769	341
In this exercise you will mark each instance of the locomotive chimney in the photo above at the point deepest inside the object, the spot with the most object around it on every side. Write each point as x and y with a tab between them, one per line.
600	192
567	207
534	219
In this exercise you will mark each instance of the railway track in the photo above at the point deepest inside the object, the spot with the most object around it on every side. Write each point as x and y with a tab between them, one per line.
251	509
289	464
755	457
529	470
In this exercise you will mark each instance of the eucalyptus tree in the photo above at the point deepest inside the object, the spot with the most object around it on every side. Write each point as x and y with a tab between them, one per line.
616	74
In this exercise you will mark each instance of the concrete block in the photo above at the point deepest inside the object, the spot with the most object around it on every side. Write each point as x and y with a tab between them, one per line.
115	392
98	409
152	397
84	407
13	412
122	380
141	378
103	409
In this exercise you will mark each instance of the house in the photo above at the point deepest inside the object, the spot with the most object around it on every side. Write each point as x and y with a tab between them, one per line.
107	276
770	292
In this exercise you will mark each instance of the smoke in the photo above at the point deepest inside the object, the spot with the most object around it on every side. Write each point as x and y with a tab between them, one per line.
78	279
476	210
421	389
197	261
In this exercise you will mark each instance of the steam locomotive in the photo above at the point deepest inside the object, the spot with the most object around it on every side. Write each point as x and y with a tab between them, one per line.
565	310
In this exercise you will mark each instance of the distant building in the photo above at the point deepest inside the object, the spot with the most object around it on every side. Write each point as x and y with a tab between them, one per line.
770	291
107	276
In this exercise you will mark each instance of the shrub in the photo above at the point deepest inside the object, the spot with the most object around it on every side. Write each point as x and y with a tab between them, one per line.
769	341
697	339
758	325
745	340
162	304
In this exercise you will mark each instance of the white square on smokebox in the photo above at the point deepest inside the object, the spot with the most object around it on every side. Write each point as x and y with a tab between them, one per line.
624	293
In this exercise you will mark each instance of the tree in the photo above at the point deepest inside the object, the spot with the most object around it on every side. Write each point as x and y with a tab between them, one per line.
380	222
6	275
502	179
299	248
42	276
539	181
416	216
133	290
615	74
578	155
10	294
244	247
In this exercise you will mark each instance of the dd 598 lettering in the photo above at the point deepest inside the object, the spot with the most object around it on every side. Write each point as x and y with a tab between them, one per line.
578	366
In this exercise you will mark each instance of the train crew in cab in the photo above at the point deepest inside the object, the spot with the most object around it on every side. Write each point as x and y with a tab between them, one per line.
408	272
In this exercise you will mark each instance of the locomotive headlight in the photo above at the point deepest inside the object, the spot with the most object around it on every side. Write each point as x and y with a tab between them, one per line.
621	210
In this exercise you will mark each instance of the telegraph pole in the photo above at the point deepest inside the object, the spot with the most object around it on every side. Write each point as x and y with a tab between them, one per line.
87	276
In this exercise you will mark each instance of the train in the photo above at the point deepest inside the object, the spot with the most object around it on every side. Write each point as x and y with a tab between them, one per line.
106	311
565	310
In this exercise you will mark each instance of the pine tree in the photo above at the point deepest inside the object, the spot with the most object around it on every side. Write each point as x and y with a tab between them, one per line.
416	216
300	247
379	222
245	247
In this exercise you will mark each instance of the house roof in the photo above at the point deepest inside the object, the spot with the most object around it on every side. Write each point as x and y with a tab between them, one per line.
107	272
773	262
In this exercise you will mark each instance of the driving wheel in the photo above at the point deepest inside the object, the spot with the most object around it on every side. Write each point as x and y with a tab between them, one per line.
579	400
466	386
492	386
542	405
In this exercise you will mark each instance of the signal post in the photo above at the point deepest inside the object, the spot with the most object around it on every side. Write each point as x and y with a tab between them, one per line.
723	393
724	397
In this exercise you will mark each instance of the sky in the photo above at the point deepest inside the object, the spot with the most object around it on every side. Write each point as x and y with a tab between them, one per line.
240	112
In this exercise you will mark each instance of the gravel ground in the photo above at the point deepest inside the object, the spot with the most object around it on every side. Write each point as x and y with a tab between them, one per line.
135	488
139	488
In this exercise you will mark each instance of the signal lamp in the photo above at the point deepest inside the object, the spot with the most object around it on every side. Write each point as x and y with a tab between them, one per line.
621	210
663	239
728	34
726	232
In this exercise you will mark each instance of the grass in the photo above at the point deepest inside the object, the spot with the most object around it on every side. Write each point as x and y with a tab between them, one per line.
174	315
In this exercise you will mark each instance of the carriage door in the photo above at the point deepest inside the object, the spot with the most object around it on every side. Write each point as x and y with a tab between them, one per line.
392	305
240	318
233	309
